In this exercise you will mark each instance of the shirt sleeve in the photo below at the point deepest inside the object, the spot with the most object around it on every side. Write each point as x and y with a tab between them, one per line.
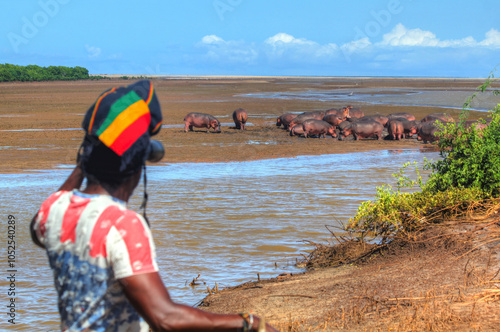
130	246
40	224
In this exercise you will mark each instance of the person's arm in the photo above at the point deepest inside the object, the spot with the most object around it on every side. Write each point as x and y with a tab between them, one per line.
33	233
74	180
151	299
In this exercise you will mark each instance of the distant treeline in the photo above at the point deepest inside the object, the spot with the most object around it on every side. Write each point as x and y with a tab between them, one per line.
9	73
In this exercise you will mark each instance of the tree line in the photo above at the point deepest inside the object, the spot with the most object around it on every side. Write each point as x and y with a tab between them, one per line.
30	73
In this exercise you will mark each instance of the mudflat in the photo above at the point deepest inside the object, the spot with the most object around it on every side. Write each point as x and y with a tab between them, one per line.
41	121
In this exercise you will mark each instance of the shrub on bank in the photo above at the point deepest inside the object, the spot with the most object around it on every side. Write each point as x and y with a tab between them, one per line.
467	174
30	73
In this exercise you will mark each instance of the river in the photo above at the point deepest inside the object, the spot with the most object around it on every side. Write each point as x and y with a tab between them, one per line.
226	222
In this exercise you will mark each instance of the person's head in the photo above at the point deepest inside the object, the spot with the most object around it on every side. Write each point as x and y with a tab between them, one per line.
118	127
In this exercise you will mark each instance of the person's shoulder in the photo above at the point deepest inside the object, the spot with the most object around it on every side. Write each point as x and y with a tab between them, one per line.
121	215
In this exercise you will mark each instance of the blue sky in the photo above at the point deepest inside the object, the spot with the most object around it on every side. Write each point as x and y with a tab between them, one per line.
448	38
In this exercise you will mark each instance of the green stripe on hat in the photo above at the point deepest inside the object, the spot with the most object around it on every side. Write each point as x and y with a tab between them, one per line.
117	108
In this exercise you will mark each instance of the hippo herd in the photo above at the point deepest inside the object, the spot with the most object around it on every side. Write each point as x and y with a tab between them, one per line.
340	123
348	121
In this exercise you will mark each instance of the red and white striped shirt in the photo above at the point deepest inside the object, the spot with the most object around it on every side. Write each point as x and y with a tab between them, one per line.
91	241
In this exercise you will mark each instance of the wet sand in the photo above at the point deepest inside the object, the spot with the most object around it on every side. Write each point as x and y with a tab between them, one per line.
41	121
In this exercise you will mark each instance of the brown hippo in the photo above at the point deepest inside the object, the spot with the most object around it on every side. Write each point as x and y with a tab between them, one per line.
354	112
478	125
297	130
201	120
363	129
333	119
342	113
427	132
438	116
407	116
344	124
382	119
318	115
410	127
318	127
285	119
395	129
240	117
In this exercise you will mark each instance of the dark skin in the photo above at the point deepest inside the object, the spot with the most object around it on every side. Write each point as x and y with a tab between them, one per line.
147	293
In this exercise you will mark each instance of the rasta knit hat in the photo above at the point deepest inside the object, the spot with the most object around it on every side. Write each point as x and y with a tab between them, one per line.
118	127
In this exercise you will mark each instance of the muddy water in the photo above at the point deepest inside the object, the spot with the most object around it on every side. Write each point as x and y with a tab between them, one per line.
226	222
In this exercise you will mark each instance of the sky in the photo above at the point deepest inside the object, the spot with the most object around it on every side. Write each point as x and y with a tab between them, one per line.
446	38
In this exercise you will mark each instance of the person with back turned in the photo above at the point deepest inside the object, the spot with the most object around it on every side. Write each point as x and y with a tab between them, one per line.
102	254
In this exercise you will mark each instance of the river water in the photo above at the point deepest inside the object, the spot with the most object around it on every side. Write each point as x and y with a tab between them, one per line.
226	222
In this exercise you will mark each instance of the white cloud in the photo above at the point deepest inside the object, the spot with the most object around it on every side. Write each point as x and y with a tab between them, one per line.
397	50
286	39
299	49
401	36
356	46
233	51
212	39
93	51
492	39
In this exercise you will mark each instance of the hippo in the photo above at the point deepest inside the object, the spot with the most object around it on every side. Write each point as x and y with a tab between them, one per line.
382	119
427	132
395	129
333	119
201	120
363	129
343	113
478	125
318	115
410	127
438	116
297	130
285	119
344	124
407	116
240	117
318	127
354	112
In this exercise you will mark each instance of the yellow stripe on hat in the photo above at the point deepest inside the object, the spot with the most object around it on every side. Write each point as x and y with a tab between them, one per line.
123	121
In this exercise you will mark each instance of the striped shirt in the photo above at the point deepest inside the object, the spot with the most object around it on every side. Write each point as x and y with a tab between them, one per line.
91	241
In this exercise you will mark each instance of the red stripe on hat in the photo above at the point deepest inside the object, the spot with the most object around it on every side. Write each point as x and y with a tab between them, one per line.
133	233
130	135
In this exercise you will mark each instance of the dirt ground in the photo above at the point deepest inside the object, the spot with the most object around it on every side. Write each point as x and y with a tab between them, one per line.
446	279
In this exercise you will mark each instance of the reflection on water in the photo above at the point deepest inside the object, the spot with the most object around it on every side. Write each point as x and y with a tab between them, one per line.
225	221
447	98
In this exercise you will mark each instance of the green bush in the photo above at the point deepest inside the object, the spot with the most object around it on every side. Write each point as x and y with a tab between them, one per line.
10	73
471	157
